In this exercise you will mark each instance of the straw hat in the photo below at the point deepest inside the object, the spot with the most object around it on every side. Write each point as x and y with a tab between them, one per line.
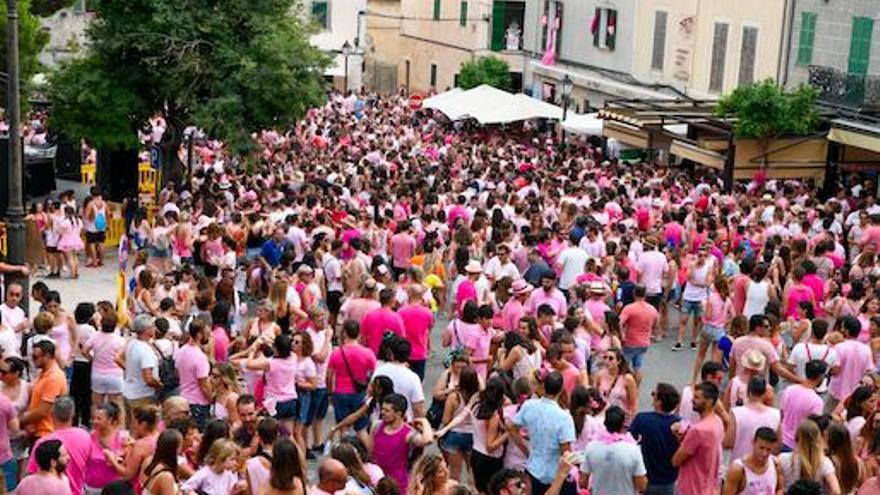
597	288
754	360
473	266
520	287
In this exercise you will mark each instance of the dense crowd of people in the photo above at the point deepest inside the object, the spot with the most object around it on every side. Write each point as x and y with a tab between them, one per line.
268	289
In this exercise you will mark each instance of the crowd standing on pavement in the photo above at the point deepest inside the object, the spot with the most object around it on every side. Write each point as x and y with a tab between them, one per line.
266	294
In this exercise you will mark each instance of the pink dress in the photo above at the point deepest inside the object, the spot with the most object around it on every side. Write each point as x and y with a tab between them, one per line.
390	453
71	235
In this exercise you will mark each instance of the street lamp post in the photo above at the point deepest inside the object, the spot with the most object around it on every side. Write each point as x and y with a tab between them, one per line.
566	95
346	51
15	211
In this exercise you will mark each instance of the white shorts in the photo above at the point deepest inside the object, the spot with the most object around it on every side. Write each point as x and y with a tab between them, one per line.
106	384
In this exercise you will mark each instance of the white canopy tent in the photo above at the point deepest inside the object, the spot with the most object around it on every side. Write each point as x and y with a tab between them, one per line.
488	105
588	124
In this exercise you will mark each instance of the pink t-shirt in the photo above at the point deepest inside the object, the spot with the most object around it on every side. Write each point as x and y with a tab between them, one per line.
361	361
355	309
417	323
717	310
105	347
748	420
799	403
814	282
376	323
854	359
78	444
555	299
192	365
471	336
465	292
512	312
744	344
280	384
637	320
221	344
402	248
651	266
697	476
44	485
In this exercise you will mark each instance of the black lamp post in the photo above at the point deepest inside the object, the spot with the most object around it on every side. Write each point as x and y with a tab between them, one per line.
15	209
346	51
566	96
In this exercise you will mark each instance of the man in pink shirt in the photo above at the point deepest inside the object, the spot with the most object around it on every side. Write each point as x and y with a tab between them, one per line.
854	359
757	340
50	479
417	323
698	456
77	441
547	294
800	401
514	309
637	320
194	370
348	372
380	321
403	246
651	268
356	308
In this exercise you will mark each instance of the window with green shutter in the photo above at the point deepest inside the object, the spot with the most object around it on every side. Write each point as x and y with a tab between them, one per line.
807	38
437	10
499	29
321	13
462	13
860	45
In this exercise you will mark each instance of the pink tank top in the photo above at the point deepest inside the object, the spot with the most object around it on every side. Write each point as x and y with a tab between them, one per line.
390	453
759	484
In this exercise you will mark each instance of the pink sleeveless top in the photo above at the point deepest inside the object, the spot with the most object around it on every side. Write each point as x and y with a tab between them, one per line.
759	484
390	453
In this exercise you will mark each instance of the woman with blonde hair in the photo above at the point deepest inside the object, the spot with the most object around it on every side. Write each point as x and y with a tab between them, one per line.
808	460
280	306
226	392
431	477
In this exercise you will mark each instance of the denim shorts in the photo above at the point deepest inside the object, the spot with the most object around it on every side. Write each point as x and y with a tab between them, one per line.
635	356
303	405
285	409
712	333
320	404
345	404
693	308
201	414
455	441
10	474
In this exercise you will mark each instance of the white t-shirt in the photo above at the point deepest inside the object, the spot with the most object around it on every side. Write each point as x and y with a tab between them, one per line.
497	271
804	352
9	342
406	383
138	357
573	261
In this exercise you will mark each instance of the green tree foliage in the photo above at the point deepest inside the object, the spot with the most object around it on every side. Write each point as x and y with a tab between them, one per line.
227	66
32	39
764	110
485	70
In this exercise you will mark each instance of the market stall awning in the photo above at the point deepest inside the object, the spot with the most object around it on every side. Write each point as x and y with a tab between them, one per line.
855	134
488	105
587	124
683	149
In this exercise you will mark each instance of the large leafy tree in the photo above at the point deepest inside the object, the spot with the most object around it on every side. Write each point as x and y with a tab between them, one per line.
228	66
765	111
31	37
485	70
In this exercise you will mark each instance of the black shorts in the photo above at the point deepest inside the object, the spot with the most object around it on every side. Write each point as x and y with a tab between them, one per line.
334	301
96	237
52	249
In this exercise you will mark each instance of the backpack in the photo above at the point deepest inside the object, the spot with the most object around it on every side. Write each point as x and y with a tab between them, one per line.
100	221
168	376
